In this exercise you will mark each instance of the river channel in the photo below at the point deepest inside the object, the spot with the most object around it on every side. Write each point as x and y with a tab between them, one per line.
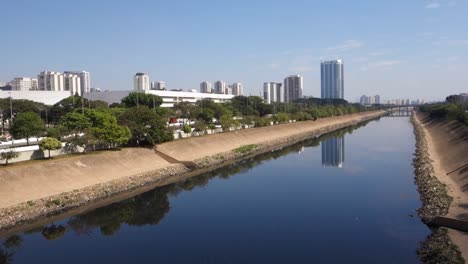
346	197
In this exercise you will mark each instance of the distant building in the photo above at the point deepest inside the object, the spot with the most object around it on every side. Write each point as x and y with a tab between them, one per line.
237	89
269	92
332	79
141	82
159	85
205	87
293	87
50	81
21	84
170	98
228	90
333	152
279	93
370	100
219	87
72	83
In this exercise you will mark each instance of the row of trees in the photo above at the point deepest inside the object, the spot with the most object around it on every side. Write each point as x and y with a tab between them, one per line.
454	108
138	120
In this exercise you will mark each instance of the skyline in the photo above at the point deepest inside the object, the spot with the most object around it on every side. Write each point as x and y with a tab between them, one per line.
182	44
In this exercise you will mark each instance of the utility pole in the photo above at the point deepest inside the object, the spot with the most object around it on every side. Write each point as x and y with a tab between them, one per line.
82	105
11	119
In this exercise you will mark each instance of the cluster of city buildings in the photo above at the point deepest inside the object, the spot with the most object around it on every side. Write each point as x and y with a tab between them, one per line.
288	91
141	82
332	84
370	100
74	82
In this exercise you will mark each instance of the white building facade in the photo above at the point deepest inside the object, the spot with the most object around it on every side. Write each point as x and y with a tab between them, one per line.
237	89
219	87
205	87
50	81
141	82
159	85
72	83
21	84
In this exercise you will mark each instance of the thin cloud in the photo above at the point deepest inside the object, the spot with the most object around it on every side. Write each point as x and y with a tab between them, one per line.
387	64
347	45
433	5
302	69
273	65
376	53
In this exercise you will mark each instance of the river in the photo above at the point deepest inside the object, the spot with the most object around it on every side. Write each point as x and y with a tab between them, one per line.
347	197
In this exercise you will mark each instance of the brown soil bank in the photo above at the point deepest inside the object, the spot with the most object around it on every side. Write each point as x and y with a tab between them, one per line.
447	144
33	190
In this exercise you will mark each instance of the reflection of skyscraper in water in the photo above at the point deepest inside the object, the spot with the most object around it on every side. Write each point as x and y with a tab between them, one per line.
333	152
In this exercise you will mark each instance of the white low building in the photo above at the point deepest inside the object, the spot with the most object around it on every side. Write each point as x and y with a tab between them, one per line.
169	97
45	97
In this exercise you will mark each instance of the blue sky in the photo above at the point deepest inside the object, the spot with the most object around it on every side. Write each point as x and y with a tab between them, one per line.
398	49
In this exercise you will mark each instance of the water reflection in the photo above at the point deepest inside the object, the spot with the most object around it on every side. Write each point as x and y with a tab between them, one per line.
333	152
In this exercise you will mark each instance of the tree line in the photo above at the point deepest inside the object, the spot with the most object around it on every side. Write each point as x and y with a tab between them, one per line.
138	120
455	108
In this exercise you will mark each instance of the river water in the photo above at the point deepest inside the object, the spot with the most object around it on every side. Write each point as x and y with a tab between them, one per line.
347	197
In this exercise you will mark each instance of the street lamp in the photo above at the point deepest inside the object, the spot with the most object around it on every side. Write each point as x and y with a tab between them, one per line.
11	119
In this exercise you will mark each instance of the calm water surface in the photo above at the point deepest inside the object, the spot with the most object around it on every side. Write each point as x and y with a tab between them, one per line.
347	197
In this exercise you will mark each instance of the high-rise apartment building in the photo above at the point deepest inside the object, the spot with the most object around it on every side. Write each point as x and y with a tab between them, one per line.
269	92
237	89
293	88
205	87
159	85
332	79
72	83
219	87
34	84
85	80
21	84
141	82
228	89
50	81
273	92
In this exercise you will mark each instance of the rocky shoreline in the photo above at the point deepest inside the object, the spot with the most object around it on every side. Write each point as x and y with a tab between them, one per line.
437	248
32	211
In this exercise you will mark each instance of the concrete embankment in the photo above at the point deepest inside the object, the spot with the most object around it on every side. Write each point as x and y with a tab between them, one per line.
40	189
442	177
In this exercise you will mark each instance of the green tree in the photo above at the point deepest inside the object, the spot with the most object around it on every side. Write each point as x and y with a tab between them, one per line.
50	144
26	125
146	126
105	129
141	99
226	122
75	123
8	155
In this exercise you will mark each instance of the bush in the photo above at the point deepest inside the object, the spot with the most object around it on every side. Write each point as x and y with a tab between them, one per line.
187	129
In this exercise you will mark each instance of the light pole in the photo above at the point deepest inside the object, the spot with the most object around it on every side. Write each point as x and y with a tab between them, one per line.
11	119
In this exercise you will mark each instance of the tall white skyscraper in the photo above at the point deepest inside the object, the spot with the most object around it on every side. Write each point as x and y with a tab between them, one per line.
219	87
293	88
72	83
21	84
237	89
205	87
279	93
332	79
269	92
50	81
141	82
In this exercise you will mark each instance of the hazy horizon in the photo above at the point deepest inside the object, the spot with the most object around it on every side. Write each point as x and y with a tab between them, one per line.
398	49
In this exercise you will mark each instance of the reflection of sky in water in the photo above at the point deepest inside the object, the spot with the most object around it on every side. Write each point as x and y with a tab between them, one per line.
282	207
